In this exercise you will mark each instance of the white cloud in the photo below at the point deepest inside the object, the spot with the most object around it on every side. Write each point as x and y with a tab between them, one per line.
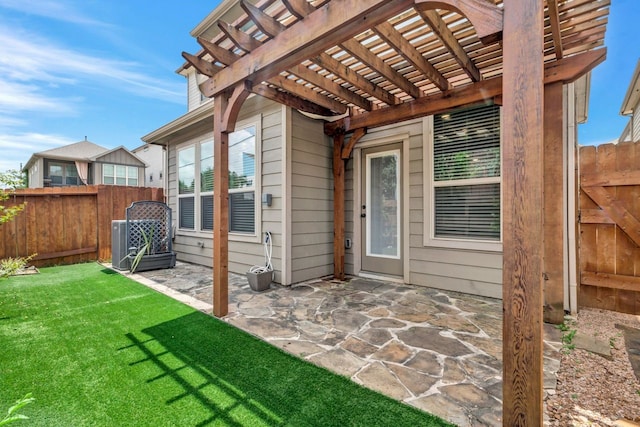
26	57
18	97
17	148
32	142
53	9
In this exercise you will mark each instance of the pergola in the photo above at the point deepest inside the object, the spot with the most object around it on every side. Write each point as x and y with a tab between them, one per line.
377	62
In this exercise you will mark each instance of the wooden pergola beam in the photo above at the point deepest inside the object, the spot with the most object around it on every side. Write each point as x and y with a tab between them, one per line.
241	39
378	65
309	94
554	22
272	27
401	45
227	57
301	9
566	70
485	16
522	236
219	54
325	27
290	100
440	29
347	74
203	66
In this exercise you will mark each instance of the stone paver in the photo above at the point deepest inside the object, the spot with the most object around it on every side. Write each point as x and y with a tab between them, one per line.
438	351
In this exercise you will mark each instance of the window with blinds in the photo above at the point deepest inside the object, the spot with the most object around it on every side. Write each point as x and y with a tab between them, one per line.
466	174
186	187
196	183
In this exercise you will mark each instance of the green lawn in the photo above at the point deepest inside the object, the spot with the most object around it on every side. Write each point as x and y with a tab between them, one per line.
97	349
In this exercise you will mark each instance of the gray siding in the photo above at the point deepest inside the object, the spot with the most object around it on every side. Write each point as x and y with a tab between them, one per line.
193	92
120	157
467	271
197	247
635	128
311	200
36	174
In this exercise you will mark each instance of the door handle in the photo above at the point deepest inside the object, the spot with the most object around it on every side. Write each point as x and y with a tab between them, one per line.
363	215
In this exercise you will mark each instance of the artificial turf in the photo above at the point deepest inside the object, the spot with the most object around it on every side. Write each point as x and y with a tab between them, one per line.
97	349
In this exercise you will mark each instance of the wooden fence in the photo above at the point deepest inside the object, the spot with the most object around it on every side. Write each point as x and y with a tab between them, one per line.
610	227
67	225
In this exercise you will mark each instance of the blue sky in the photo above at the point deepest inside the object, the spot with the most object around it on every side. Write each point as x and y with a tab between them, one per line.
106	70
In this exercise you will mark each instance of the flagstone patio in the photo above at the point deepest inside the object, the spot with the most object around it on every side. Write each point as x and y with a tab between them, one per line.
438	351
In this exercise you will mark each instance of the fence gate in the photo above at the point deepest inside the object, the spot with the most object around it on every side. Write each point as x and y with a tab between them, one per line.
610	227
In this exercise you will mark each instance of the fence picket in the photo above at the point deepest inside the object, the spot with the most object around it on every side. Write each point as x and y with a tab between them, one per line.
67	225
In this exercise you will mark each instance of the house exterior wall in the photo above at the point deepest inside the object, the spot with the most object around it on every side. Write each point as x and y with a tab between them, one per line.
311	200
471	271
244	251
194	97
120	157
153	156
635	120
36	174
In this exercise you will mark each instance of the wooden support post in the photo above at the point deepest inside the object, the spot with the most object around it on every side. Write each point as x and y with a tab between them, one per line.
523	199
338	207
225	113
220	210
553	205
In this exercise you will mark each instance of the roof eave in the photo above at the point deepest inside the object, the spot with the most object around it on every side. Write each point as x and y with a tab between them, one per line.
632	96
180	123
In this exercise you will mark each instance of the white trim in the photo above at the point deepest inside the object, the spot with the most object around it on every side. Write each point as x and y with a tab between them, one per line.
571	267
126	173
368	158
287	145
366	142
406	225
357	203
255	237
429	240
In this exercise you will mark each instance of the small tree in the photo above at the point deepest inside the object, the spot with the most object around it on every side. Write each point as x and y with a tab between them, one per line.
10	181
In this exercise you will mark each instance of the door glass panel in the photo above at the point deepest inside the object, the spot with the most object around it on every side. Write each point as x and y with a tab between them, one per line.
383	207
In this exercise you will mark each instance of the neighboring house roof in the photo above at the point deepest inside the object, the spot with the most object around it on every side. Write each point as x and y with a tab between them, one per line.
632	97
82	150
86	151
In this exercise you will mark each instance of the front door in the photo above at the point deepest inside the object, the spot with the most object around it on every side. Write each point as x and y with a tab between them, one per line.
381	213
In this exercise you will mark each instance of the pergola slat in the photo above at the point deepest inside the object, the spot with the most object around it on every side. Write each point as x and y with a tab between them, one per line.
325	27
450	41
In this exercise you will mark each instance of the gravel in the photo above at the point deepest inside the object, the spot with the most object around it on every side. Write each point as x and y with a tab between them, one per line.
593	390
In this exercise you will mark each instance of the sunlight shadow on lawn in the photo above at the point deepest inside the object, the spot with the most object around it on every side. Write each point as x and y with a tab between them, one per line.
241	380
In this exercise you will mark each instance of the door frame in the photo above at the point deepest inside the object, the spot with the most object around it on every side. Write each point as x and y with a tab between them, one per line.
372	141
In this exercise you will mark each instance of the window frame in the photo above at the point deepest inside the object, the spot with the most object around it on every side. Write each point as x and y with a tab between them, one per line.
430	185
64	165
198	231
126	174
